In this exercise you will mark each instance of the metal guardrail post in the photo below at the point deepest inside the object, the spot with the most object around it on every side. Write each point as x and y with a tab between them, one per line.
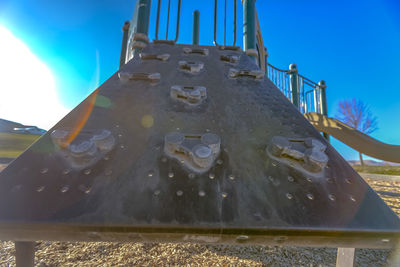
143	16
266	60
316	100
249	26
294	84
196	27
125	36
322	102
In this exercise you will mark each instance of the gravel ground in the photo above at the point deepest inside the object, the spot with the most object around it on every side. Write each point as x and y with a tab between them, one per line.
128	254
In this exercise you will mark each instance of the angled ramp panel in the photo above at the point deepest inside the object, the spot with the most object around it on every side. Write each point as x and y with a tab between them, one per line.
189	144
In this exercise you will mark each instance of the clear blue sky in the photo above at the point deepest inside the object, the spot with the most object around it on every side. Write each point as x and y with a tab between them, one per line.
353	45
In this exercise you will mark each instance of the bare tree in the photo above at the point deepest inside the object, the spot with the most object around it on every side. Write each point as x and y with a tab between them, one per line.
356	114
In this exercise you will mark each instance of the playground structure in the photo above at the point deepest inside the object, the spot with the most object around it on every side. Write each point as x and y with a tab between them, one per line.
199	144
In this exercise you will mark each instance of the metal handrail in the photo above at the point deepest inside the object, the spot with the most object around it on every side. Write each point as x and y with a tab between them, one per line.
269	65
178	17
234	22
281	79
311	83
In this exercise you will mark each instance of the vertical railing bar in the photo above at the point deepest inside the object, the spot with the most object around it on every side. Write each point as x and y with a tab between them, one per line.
277	80
158	18
286	84
215	22
178	19
316	100
148	17
169	6
305	107
303	94
234	21
225	25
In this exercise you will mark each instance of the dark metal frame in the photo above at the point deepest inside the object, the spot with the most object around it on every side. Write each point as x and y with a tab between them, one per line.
177	19
234	22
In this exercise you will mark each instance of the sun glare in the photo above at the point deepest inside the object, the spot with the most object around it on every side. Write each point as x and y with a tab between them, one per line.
27	87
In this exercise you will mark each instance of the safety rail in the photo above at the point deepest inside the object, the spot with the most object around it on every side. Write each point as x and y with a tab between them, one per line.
305	94
234	22
309	95
293	85
281	79
178	17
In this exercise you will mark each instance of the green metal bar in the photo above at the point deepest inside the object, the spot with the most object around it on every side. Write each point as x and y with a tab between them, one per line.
125	36
249	25
169	8
225	24
158	18
143	16
323	103
294	85
178	19
215	21
234	21
148	9
196	27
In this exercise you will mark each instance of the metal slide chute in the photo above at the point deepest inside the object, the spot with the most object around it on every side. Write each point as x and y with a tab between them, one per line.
354	138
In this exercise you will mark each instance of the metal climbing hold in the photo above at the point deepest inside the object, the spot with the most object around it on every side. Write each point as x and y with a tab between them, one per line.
85	150
195	151
140	40
168	42
59	137
229	47
305	154
230	59
256	74
190	95
199	51
161	57
151	77
190	66
104	140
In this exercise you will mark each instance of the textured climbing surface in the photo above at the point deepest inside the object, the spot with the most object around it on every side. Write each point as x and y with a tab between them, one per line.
189	144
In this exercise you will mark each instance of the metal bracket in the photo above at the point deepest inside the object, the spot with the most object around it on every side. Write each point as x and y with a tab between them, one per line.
304	154
151	77
190	95
200	51
191	67
197	152
230	59
256	74
161	57
86	148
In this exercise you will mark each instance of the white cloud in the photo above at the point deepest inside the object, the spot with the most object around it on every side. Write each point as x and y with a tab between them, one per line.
27	87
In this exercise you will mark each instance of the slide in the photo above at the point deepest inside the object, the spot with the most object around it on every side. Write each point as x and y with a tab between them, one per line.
355	139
